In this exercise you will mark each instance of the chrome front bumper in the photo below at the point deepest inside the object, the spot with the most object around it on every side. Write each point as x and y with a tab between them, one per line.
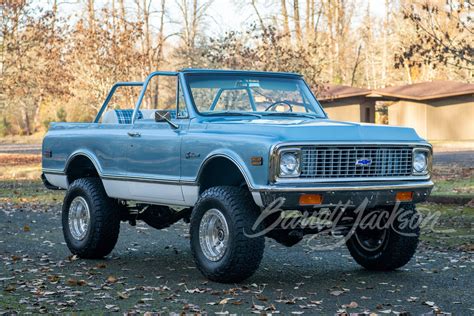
348	194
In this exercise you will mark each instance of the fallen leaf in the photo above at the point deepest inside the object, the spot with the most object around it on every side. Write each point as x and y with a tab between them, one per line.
53	278
196	290
258	307
111	279
113	308
261	297
351	305
74	282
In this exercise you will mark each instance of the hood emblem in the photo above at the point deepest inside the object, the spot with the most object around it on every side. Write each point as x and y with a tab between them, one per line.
364	162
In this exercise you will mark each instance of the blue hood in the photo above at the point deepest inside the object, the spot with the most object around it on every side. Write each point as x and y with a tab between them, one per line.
313	130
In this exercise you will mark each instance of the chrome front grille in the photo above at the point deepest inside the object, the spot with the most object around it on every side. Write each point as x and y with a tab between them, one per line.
341	161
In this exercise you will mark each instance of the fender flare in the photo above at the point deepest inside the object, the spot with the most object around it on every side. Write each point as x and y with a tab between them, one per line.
234	158
88	155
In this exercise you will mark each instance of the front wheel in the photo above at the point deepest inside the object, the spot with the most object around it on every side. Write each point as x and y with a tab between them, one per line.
221	225
390	247
91	223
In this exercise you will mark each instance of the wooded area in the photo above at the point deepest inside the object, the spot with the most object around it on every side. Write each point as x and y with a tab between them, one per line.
56	68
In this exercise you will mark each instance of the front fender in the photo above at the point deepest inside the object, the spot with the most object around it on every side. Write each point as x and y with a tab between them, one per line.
235	158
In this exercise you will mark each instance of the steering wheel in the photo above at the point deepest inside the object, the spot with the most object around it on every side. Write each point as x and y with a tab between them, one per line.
274	104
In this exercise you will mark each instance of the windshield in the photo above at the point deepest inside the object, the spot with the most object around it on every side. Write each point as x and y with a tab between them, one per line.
224	94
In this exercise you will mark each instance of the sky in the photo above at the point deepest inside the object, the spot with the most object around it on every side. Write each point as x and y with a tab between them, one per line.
229	15
223	15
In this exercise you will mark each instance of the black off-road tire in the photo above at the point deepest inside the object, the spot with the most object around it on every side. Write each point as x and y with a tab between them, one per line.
243	254
398	246
104	227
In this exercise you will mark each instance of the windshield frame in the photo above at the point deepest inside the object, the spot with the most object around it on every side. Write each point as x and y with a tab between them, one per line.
317	105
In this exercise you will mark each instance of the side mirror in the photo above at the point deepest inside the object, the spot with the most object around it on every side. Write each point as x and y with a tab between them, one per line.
165	116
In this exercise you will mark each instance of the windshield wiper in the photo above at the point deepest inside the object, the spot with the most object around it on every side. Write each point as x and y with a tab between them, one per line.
290	114
229	113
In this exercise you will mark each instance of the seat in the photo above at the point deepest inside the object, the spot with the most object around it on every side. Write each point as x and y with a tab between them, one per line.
125	116
120	116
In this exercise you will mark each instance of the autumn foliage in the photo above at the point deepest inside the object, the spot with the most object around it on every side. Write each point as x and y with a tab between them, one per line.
58	65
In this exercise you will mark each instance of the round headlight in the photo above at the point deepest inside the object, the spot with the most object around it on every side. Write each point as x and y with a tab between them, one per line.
420	161
289	164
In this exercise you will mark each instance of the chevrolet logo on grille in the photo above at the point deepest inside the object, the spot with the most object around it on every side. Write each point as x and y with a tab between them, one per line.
364	162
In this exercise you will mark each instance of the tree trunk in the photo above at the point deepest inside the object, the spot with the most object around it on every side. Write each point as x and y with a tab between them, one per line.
284	13
91	14
260	20
296	12
308	18
26	120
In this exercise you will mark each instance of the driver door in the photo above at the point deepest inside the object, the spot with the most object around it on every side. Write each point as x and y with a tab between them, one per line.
153	159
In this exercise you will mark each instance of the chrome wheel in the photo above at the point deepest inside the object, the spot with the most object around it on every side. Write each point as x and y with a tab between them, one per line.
213	234
79	218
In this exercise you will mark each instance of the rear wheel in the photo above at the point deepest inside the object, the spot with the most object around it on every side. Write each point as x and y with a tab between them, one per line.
91	223
390	247
220	224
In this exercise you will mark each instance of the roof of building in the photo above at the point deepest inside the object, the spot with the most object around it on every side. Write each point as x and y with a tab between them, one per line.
426	90
333	92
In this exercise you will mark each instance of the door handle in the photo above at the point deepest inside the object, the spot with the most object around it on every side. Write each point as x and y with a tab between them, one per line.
134	134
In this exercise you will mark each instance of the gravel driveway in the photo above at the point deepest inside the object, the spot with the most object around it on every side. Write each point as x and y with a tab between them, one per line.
20	149
152	270
462	158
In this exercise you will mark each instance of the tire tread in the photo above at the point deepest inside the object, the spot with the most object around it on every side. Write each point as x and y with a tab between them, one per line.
248	252
106	226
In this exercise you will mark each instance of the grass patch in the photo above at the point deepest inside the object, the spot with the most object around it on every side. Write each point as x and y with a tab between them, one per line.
458	187
10	303
28	192
20	167
454	227
29	172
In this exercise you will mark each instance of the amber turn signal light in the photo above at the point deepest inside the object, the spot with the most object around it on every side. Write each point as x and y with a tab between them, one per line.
311	199
404	196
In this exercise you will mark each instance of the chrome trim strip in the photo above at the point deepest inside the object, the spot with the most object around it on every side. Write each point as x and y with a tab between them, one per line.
369	187
361	179
127	178
145	179
53	171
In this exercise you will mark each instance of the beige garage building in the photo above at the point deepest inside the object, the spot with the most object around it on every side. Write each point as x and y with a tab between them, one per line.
346	103
438	110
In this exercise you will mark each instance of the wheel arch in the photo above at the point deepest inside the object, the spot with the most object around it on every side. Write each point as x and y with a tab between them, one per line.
81	164
215	166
